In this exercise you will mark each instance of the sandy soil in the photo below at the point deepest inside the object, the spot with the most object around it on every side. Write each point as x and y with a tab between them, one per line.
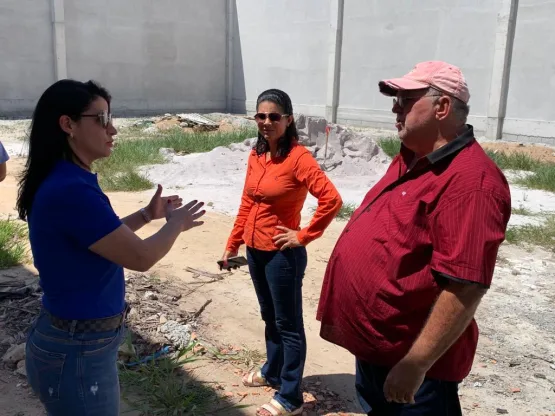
514	368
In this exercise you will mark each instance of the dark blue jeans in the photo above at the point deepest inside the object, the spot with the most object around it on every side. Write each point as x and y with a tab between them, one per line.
74	373
278	278
435	397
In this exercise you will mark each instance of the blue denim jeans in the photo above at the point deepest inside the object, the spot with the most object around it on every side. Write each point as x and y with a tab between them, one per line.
434	398
278	278
74	373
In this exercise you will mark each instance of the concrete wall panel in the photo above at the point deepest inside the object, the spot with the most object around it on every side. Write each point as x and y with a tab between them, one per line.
26	54
385	39
530	106
281	44
153	56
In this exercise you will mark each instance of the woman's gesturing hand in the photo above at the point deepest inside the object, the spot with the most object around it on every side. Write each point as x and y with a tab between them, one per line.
187	216
157	205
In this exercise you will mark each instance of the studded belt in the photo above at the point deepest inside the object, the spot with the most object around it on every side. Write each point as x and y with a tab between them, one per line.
110	323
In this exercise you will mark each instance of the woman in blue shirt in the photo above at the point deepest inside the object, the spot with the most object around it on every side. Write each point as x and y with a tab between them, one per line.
80	247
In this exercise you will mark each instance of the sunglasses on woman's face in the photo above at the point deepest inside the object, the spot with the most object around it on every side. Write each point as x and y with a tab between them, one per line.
104	118
273	117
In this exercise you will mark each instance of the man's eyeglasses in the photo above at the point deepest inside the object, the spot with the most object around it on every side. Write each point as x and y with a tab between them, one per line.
273	117
403	101
104	118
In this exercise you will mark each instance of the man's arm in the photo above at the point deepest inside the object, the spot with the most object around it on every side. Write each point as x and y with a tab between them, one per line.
450	316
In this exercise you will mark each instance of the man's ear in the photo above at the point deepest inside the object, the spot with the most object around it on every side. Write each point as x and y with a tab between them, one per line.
444	105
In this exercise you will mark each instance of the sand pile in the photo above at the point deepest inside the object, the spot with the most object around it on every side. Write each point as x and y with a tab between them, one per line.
354	162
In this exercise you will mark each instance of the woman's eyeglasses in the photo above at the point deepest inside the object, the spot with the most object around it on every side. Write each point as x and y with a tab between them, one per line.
104	118
273	117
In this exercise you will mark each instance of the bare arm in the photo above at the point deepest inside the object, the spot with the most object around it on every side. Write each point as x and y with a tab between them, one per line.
3	171
125	248
450	316
452	313
134	221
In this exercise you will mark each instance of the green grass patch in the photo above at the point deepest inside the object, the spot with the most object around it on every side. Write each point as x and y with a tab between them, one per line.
390	145
514	161
13	249
346	212
522	210
542	178
134	149
541	235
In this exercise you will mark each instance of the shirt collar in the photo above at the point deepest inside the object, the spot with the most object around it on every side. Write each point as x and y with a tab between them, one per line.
447	150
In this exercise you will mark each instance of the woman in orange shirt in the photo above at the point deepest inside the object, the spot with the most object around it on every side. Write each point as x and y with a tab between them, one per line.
280	173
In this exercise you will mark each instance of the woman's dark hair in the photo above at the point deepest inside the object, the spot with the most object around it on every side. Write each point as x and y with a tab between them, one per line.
285	142
48	143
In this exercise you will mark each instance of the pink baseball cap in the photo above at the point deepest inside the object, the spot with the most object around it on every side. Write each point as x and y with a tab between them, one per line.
440	75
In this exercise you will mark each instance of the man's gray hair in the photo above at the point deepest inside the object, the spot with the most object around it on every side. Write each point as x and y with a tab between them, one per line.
460	108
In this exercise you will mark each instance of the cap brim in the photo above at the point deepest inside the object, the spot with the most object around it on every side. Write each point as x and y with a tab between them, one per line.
390	87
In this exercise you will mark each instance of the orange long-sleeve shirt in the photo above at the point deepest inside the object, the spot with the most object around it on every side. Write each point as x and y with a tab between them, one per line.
274	195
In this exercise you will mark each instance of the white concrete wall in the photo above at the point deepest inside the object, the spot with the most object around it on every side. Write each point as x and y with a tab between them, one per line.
26	53
179	55
385	40
281	44
152	56
530	103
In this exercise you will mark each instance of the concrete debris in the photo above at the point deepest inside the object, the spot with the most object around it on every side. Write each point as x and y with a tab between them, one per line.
195	119
14	354
142	123
179	335
150	295
21	369
127	350
151	130
342	150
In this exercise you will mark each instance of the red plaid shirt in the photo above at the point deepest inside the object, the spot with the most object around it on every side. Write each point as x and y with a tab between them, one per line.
444	219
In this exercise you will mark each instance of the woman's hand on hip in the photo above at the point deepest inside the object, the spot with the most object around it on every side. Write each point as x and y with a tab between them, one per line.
187	216
287	239
158	204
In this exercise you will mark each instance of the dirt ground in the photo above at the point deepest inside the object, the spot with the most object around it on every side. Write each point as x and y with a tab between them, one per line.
514	369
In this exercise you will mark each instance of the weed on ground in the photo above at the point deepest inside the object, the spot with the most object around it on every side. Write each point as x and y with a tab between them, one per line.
13	237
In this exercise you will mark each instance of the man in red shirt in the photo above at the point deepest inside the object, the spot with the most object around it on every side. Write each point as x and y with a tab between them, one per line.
411	266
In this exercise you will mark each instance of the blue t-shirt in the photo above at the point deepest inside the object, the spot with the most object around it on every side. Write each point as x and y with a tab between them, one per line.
69	214
4	157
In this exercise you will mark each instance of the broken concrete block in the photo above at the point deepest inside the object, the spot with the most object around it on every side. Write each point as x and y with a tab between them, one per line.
178	334
21	369
14	354
127	350
309	128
